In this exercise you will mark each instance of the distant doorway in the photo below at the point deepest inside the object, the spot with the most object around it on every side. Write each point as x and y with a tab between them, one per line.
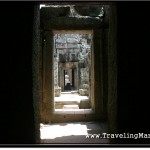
69	80
72	63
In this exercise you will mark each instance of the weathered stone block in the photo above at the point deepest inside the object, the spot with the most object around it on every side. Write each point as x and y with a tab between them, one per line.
73	40
85	86
62	58
61	40
58	106
82	64
47	12
73	57
83	92
88	10
57	91
73	45
70	107
61	45
85	104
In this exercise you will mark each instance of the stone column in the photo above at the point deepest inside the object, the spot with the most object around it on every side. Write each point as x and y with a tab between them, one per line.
56	71
76	77
49	76
57	88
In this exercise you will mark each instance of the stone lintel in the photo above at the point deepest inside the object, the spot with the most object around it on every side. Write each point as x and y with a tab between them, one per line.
71	23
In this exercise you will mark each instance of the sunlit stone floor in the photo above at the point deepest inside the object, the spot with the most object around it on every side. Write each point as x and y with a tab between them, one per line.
68	96
72	133
70	101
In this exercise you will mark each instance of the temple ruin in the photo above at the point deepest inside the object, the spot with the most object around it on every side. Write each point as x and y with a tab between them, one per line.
72	59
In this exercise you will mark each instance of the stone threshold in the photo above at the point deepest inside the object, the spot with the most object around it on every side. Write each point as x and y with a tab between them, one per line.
74	111
69	92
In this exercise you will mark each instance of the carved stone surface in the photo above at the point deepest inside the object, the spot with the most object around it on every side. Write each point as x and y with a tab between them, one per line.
61	45
73	40
73	45
60	40
55	71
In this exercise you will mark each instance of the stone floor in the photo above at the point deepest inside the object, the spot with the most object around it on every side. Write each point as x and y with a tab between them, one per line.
73	133
70	96
71	100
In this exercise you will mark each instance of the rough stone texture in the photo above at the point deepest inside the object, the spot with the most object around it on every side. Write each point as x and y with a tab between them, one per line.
61	45
47	12
55	71
83	92
98	71
85	104
57	91
112	73
74	23
86	86
70	107
89	10
60	104
77	49
73	40
48	76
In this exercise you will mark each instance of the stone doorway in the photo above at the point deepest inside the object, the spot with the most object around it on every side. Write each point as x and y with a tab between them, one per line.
73	19
67	75
68	79
72	60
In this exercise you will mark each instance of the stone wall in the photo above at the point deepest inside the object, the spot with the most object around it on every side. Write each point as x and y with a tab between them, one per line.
84	63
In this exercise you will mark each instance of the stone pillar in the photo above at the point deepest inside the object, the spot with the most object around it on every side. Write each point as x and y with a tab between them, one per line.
49	75
75	78
57	89
56	86
84	68
98	74
61	70
56	71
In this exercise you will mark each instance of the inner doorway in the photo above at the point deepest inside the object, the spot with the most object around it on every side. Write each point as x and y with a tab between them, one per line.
72	64
69	80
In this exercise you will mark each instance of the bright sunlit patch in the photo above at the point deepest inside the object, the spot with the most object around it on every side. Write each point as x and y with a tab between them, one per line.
54	131
42	6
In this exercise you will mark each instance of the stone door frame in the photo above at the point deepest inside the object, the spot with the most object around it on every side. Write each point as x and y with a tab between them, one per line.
76	25
61	74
